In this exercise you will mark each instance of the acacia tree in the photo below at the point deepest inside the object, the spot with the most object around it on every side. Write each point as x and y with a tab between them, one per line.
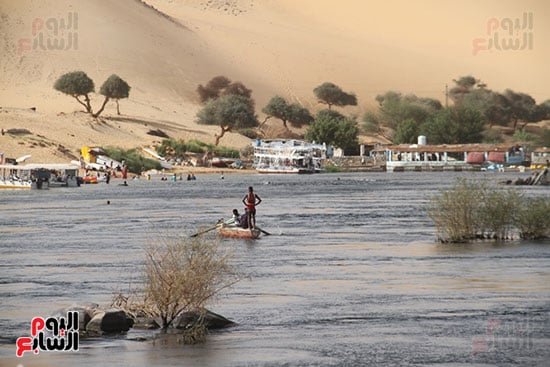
229	112
76	84
113	88
295	114
464	86
543	110
333	128
496	108
522	106
213	88
220	86
332	95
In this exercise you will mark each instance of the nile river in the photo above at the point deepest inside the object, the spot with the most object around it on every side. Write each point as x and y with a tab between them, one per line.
352	274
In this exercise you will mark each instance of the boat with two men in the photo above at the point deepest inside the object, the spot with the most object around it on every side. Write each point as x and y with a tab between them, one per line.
235	231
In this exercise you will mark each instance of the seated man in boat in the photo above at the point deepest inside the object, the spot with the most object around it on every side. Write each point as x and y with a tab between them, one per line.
236	217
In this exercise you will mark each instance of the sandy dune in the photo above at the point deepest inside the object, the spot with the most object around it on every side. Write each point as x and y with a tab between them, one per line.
165	48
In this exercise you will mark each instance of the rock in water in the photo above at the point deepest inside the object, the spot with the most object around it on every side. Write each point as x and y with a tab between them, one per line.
212	321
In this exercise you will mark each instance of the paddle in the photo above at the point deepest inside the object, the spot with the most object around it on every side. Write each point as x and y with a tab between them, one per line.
264	232
204	231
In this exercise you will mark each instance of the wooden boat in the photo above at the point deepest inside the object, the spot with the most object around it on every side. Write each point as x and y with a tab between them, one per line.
232	231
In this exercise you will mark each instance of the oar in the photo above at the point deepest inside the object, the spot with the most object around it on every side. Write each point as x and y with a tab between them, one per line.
264	232
204	231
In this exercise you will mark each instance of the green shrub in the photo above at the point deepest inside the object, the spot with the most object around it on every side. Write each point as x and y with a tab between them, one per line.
249	133
332	168
491	136
173	146
179	147
521	135
196	146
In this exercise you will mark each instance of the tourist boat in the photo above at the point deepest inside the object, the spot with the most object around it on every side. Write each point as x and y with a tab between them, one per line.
14	177
448	157
228	230
288	156
38	176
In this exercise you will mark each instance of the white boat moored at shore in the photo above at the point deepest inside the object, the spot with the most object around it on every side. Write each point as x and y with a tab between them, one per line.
288	156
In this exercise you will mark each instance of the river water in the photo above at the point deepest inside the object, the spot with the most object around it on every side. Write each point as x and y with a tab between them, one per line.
351	274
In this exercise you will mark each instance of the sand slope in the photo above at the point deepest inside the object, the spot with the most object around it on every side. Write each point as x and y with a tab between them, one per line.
165	48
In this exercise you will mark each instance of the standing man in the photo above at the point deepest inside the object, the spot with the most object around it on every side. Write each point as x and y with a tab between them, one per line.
251	200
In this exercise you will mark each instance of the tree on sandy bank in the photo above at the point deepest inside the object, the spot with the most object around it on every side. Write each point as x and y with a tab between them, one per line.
230	112
113	88
76	84
228	105
332	95
295	114
219	86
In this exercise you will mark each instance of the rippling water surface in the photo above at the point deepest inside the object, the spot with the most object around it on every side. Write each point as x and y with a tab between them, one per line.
351	275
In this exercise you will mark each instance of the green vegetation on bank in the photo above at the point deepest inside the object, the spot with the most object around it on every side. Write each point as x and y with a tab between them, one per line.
470	211
135	161
180	147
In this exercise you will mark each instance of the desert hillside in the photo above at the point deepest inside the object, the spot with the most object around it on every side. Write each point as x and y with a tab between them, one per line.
165	48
